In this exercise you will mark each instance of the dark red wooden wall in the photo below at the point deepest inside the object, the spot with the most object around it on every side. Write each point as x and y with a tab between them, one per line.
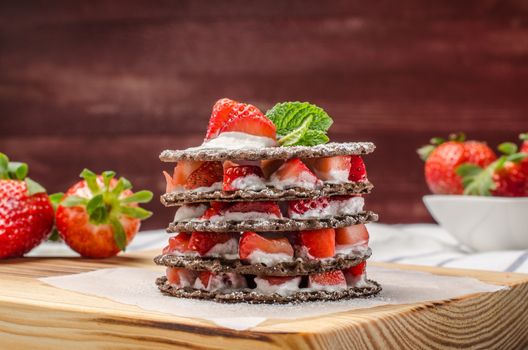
109	84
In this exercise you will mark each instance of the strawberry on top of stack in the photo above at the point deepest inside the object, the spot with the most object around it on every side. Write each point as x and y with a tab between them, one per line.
458	166
268	211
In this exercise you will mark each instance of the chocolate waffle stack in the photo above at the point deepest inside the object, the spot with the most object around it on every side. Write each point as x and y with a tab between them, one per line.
259	222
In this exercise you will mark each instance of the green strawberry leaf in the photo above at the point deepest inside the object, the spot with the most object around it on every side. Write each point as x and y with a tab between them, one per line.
297	121
72	201
4	163
33	187
107	177
119	234
138	197
127	185
55	199
93	203
99	215
17	170
136	212
516	157
91	180
524	136
507	148
425	151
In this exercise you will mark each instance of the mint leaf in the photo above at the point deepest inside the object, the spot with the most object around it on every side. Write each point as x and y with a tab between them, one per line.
297	134
313	137
300	123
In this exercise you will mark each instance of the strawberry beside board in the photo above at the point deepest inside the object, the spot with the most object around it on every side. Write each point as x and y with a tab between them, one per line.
97	217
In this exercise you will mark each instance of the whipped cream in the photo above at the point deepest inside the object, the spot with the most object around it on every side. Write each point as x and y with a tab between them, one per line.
237	140
268	259
250	182
335	207
238	216
190	211
351	206
284	289
184	278
348	249
227	250
337	176
304	180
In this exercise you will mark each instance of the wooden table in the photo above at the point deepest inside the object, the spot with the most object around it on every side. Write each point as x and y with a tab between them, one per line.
36	316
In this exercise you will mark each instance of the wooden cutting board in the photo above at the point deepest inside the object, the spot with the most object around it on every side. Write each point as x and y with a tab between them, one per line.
36	316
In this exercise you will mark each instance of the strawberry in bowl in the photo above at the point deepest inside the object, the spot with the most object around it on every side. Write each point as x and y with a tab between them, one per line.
99	215
26	212
488	197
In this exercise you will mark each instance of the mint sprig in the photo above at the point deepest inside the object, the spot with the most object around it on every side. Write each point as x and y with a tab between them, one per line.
108	204
300	123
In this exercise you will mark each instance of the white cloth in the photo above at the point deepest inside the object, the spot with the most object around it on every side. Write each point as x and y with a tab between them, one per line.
417	244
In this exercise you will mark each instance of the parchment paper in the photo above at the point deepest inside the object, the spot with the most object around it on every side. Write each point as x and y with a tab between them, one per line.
135	286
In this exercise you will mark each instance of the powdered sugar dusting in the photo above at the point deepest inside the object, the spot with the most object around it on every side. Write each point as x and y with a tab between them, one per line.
135	286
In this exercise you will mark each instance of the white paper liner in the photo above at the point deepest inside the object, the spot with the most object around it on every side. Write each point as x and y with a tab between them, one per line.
135	286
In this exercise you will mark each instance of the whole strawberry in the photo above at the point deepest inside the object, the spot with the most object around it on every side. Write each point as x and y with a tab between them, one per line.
26	214
504	177
443	157
524	149
99	216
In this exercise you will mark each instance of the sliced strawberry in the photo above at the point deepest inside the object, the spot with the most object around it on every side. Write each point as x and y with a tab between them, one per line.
357	270
335	168
203	242
249	119
352	235
178	243
233	171
205	278
317	244
206	175
358	171
180	276
333	278
261	207
302	206
209	213
181	172
251	242
277	280
294	173
219	206
269	166
220	114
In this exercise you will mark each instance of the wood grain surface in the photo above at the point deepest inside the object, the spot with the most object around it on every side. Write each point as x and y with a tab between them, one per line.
109	84
36	316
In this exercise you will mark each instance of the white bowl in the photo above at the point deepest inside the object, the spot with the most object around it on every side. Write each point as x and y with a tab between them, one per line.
482	223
